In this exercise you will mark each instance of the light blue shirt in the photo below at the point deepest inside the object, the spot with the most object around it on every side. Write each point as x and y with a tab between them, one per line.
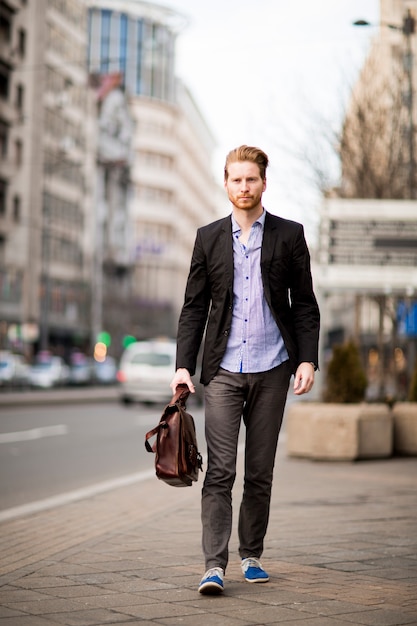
255	343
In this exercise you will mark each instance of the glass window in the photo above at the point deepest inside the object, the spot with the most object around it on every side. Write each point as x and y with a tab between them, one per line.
156	359
4	139
20	95
105	41
123	43
139	56
18	149
21	45
6	15
16	209
3	197
5	72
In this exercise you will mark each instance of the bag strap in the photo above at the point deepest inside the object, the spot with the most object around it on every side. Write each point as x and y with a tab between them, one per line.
149	435
179	398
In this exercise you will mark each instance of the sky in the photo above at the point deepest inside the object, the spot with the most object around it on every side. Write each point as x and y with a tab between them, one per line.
270	73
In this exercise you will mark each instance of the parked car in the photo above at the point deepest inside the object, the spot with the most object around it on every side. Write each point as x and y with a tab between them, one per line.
48	371
80	370
14	371
105	372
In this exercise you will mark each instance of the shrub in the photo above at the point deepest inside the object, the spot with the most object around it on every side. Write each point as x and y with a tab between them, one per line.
346	379
412	392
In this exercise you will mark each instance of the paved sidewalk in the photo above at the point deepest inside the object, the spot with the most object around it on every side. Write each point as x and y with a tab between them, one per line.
341	550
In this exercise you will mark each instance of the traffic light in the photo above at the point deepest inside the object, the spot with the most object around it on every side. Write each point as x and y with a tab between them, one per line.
104	337
128	340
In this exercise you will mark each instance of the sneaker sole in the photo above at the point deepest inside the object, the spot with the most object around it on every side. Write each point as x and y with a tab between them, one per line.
257	580
210	588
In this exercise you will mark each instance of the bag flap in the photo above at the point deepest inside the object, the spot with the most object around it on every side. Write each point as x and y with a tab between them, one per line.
178	400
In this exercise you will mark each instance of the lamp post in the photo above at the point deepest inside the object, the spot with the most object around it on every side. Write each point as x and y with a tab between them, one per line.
408	28
45	281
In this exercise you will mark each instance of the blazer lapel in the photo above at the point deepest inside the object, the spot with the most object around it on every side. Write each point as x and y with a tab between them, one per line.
226	247
267	252
268	241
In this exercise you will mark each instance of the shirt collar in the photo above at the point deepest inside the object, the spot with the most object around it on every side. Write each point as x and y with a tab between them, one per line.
260	221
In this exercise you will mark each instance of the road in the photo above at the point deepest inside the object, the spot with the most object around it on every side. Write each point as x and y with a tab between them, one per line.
48	450
51	449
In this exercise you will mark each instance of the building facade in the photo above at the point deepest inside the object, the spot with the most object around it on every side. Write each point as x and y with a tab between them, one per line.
171	169
378	141
101	190
46	125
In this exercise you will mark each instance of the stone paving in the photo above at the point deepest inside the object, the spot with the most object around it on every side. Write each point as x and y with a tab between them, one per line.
341	549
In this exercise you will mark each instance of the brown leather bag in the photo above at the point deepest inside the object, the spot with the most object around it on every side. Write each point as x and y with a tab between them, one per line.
177	459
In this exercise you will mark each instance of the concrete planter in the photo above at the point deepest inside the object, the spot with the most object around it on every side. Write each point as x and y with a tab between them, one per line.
339	432
405	428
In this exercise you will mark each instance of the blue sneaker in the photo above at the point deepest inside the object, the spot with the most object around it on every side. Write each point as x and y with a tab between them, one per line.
253	571
212	581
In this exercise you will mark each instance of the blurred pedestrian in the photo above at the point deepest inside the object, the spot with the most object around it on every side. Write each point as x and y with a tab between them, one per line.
250	289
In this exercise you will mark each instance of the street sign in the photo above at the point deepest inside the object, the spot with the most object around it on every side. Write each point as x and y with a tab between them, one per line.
407	318
386	242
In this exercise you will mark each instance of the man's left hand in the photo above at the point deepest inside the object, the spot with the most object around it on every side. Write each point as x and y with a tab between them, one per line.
304	378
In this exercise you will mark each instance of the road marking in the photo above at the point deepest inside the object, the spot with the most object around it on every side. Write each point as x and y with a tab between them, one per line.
86	492
77	494
34	433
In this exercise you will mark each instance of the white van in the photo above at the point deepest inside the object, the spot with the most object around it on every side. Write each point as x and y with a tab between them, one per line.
146	370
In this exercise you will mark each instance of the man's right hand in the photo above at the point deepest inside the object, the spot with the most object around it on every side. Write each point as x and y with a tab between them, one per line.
182	377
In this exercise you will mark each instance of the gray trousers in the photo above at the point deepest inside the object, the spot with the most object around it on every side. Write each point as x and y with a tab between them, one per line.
260	400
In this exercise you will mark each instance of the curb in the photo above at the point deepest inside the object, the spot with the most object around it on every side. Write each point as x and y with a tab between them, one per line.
58	396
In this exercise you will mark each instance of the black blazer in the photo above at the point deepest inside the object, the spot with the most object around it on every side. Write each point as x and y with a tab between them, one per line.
287	283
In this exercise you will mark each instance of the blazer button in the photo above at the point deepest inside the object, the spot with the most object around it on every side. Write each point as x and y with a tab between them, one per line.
226	332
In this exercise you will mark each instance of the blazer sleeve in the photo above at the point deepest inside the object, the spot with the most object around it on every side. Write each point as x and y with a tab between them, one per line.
194	312
304	307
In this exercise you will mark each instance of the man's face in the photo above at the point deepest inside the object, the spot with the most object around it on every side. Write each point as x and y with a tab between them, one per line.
244	185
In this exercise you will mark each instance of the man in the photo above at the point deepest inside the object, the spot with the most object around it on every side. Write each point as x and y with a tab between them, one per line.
250	282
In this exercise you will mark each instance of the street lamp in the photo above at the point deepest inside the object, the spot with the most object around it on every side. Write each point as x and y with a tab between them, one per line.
45	280
408	28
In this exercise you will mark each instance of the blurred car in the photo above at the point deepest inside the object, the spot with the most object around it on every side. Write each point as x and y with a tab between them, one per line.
105	372
14	371
48	371
146	370
80	370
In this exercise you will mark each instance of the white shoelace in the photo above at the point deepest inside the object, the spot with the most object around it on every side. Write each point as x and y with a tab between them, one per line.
247	563
214	571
